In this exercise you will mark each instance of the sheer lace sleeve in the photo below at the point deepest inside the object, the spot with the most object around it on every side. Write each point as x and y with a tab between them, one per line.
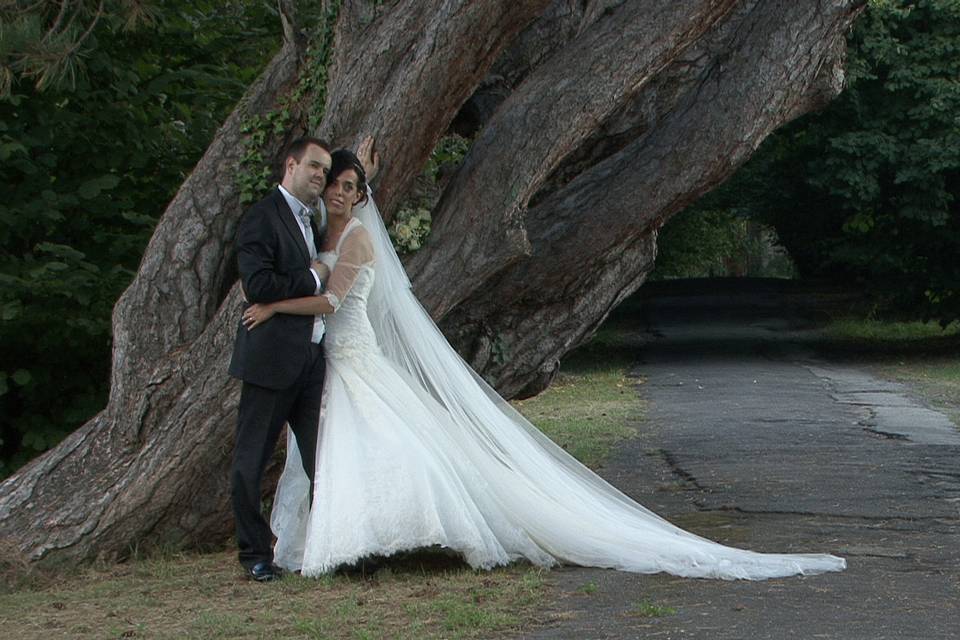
356	252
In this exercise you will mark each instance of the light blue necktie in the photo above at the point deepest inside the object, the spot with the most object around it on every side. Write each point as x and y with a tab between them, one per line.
305	216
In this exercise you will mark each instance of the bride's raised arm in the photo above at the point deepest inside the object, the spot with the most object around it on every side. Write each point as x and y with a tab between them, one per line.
356	252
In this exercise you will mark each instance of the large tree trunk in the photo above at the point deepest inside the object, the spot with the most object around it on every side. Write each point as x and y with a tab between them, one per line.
599	121
721	87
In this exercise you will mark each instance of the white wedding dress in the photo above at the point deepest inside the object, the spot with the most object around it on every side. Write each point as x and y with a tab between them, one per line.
415	450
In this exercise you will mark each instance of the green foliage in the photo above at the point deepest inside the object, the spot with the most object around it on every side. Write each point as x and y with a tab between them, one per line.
254	175
906	333
587	588
450	150
694	244
865	192
314	83
647	609
255	172
703	242
44	41
411	225
86	171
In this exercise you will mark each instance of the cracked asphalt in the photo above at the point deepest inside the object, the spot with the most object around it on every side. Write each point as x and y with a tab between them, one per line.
752	440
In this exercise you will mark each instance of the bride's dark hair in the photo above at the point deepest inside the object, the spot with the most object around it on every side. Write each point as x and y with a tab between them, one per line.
340	161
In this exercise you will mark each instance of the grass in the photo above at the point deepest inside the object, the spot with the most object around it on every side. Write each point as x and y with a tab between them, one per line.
891	335
923	356
206	596
587	588
591	406
647	609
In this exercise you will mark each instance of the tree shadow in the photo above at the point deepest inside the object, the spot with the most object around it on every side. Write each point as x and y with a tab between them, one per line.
433	560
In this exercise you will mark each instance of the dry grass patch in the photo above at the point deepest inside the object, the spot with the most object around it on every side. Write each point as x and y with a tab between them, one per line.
586	414
206	596
593	403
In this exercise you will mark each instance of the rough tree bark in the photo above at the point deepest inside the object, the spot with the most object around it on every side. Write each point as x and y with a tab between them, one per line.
595	218
600	120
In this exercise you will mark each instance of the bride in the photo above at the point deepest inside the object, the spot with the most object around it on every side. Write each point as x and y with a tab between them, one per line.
416	450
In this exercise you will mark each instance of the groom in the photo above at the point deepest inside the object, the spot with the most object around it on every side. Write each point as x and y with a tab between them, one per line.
281	363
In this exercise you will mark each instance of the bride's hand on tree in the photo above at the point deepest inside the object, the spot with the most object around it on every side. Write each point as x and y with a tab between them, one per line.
369	157
257	314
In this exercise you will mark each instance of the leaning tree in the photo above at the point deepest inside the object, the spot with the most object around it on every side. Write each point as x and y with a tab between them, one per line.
592	122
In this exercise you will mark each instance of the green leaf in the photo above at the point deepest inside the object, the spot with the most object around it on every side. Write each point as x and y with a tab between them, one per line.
92	188
89	190
109	181
9	148
33	440
11	310
60	250
22	377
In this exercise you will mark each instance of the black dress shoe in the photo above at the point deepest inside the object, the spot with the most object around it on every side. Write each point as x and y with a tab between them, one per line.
265	572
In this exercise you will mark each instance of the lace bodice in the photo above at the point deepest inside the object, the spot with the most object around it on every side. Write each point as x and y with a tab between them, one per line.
348	331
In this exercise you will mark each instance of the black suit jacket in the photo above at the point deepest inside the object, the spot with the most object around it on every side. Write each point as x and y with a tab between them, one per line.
274	265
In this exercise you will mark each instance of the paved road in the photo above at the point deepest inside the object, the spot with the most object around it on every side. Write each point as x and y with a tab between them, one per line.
752	441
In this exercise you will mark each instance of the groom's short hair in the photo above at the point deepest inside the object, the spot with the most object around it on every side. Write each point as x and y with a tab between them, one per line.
297	148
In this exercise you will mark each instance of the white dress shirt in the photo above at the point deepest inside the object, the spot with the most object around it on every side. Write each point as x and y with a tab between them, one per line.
295	206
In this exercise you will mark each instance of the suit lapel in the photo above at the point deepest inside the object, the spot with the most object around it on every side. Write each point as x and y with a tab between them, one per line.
316	234
286	218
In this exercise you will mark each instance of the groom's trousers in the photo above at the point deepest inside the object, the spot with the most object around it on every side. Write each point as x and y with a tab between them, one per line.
262	414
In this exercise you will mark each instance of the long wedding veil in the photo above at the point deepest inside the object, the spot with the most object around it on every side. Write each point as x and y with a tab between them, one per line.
567	510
